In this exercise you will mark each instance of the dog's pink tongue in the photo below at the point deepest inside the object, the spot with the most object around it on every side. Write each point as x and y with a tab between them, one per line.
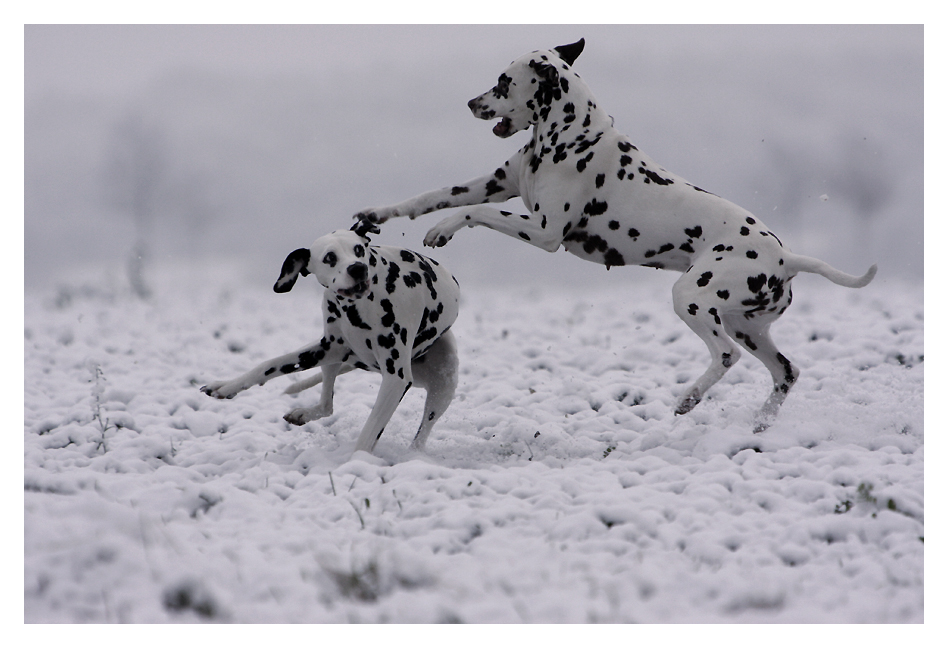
502	127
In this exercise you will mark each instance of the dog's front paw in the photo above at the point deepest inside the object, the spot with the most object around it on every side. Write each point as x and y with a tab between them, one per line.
436	240
687	403
222	389
375	215
441	233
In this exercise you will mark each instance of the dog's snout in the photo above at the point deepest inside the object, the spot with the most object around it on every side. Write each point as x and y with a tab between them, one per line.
357	271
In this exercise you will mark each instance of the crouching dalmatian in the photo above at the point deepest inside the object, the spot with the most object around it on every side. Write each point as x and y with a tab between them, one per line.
385	309
589	189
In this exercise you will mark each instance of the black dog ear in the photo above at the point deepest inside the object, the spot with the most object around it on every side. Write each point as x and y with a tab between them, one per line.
295	264
364	226
547	75
570	52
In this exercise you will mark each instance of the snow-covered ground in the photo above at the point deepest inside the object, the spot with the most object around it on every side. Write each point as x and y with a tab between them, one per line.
558	487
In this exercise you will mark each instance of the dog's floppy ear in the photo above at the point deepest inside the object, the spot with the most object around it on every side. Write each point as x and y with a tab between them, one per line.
547	75
570	52
295	264
364	226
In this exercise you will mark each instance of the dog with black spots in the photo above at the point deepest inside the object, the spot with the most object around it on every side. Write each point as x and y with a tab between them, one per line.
385	309
590	190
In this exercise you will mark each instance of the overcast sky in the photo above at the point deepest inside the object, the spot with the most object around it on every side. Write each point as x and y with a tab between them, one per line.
272	135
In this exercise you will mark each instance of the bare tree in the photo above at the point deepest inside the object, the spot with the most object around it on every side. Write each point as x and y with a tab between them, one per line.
136	174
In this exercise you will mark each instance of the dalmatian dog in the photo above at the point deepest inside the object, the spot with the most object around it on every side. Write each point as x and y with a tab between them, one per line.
385	309
589	189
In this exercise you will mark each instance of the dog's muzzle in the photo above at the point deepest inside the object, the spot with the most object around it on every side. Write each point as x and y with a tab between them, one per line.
503	128
359	272
480	110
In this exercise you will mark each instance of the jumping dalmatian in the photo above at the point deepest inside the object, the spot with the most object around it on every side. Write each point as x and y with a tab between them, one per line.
385	309
589	189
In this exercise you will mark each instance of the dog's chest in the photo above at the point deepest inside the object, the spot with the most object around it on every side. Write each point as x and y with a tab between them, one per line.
408	307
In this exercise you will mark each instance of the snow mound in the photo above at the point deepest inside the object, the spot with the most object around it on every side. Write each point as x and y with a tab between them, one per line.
558	487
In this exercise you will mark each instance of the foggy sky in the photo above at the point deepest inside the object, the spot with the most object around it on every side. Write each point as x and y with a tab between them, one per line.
258	139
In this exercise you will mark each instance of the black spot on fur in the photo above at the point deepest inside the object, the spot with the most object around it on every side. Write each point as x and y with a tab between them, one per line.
651	175
756	282
391	277
595	243
745	338
695	233
492	187
310	359
582	163
412	279
704	279
595	207
613	258
353	315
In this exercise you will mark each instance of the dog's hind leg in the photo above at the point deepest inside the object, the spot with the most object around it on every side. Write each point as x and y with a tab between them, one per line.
310	382
328	377
753	335
437	372
692	303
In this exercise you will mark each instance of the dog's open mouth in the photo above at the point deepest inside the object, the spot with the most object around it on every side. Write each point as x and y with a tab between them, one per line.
503	128
355	291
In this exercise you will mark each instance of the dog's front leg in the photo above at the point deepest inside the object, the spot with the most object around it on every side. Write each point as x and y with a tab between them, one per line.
322	352
391	392
497	187
533	228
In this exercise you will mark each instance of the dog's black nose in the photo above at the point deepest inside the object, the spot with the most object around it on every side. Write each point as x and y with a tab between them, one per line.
472	104
357	271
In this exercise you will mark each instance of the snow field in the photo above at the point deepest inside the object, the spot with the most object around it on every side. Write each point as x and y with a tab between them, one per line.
558	487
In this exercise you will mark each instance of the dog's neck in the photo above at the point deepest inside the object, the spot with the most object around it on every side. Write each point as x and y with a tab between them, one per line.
570	119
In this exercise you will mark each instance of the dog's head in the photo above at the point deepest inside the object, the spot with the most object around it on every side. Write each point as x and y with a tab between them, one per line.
340	260
525	91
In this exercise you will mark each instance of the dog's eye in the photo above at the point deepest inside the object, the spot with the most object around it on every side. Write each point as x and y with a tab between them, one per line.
358	250
330	259
501	89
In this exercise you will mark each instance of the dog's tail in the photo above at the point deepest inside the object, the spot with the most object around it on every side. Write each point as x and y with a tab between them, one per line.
799	263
